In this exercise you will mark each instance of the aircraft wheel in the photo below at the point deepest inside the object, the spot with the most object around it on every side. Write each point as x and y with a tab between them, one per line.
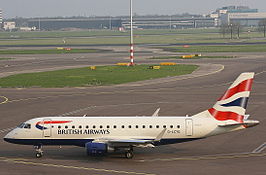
39	155
129	154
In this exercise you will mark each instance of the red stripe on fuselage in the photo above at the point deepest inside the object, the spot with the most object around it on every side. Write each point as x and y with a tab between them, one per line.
241	87
222	116
53	122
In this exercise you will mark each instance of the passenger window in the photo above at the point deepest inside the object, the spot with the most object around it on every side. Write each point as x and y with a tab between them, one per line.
143	126
80	127
123	126
171	126
107	126
66	127
164	126
114	126
59	127
94	126
101	126
87	127
73	127
150	126
178	126
157	126
137	126
129	126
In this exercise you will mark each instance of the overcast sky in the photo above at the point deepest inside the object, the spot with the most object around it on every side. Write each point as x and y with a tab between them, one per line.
49	8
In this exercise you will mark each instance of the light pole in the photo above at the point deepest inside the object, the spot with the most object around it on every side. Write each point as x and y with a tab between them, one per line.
264	30
131	36
231	25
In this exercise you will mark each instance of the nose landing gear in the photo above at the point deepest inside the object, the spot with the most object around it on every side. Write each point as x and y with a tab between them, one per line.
39	152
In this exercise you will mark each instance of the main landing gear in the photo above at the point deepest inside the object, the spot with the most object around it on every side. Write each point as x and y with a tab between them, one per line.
39	152
129	153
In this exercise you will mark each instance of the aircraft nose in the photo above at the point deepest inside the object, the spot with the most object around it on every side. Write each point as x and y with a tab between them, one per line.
9	136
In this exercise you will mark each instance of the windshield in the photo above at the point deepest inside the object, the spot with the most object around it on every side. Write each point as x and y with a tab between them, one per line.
24	125
27	126
21	125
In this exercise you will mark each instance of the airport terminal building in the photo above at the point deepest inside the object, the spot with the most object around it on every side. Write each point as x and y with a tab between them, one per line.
140	22
244	19
222	16
242	15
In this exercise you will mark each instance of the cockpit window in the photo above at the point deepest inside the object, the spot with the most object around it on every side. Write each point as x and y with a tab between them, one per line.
21	125
24	125
27	126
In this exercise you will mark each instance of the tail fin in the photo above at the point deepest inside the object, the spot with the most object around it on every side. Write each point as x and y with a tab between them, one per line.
232	105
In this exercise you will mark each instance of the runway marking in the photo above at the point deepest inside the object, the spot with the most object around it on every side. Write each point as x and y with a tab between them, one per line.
113	92
5	100
207	157
114	105
260	148
6	130
260	72
36	98
26	162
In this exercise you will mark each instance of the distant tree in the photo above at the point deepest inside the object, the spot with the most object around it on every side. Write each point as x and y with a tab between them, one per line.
224	29
232	29
235	28
238	29
262	27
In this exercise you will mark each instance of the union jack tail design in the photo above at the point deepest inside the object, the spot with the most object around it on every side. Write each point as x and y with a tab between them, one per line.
232	105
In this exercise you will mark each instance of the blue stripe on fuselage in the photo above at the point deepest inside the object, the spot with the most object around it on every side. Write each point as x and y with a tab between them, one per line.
82	142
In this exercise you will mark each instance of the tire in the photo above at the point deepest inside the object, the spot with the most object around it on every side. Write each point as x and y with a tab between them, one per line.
38	155
129	154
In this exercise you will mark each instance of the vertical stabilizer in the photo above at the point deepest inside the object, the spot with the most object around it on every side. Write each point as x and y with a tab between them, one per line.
232	105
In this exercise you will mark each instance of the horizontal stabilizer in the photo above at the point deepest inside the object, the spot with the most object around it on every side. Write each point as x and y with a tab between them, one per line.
247	123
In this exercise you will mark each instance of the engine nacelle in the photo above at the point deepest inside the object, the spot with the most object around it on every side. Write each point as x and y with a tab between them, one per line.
94	149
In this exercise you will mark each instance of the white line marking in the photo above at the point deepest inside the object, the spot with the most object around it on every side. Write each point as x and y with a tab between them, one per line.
6	130
115	105
5	100
260	72
260	148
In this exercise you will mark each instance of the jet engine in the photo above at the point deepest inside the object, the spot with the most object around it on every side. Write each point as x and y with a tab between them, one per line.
96	149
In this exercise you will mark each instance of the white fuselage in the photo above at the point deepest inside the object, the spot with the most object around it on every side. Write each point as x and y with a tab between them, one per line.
79	130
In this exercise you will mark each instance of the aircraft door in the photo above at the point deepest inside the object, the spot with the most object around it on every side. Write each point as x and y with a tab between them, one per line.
189	127
47	129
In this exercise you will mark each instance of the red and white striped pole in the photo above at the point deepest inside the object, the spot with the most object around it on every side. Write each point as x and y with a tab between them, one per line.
131	36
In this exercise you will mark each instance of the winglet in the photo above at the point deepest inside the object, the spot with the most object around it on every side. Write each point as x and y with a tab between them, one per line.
156	113
160	136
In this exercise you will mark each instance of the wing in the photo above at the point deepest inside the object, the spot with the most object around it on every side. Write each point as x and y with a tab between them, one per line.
137	142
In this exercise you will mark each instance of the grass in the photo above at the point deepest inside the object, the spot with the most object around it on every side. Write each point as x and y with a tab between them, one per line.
103	75
6	59
198	57
219	48
184	36
49	51
88	33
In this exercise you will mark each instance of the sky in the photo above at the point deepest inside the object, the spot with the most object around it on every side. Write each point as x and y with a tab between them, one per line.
66	8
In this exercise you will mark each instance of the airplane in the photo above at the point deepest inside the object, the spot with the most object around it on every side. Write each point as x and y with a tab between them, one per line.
102	135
